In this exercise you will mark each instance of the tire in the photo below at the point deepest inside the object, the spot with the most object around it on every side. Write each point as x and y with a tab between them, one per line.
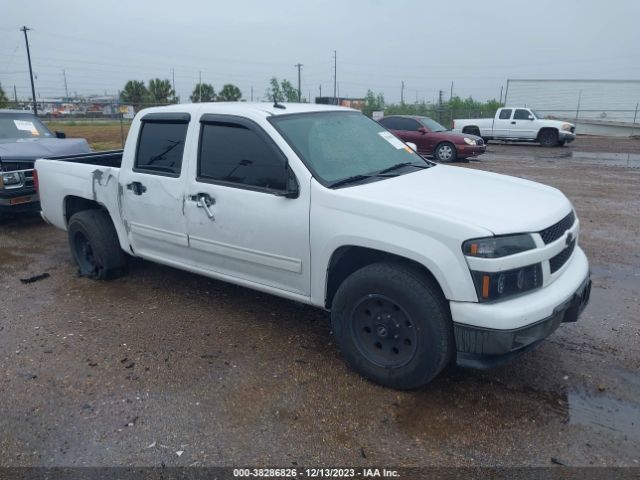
95	246
548	138
446	152
393	325
472	131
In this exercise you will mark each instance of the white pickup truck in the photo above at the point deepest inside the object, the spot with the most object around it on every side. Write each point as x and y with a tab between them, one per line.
518	124
419	264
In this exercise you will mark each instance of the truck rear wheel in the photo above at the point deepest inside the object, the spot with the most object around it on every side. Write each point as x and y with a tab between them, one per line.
95	246
393	325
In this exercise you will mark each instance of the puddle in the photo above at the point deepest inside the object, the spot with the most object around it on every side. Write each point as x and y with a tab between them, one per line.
630	160
605	414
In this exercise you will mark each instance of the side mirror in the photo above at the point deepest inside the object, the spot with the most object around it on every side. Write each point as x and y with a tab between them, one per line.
292	189
412	146
60	134
422	130
531	117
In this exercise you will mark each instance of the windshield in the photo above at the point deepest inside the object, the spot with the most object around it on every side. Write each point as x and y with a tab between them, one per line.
539	116
432	125
339	145
22	126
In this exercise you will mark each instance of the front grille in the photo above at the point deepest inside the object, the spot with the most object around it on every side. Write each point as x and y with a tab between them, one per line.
556	230
555	263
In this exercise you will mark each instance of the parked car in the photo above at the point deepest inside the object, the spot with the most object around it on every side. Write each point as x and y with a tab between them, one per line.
23	138
518	124
420	264
432	139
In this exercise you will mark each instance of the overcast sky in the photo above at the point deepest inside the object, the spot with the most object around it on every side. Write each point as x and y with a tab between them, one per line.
380	43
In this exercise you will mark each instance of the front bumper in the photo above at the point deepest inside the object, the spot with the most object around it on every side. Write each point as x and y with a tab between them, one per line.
465	150
19	200
488	334
486	348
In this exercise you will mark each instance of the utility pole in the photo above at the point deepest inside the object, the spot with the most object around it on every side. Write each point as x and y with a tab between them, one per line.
402	93
440	94
299	66
66	88
501	87
252	93
15	96
320	89
451	92
24	29
335	77
200	87
173	83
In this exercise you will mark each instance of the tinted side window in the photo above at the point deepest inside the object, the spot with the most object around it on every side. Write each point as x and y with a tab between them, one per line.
160	147
521	114
408	124
505	114
391	123
233	153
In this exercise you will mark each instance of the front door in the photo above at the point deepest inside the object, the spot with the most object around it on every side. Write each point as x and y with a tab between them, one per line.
239	222
152	191
523	125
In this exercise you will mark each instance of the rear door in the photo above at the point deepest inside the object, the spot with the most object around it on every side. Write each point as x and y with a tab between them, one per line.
153	190
523	125
240	225
502	123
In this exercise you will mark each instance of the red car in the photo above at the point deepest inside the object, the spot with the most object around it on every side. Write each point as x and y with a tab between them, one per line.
432	139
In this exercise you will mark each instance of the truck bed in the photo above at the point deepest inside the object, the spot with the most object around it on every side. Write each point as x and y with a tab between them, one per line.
107	158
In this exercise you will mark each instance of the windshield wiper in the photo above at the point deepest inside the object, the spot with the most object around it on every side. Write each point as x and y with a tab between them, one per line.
404	164
357	178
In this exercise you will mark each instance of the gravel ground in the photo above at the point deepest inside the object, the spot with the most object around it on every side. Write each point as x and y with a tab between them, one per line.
136	370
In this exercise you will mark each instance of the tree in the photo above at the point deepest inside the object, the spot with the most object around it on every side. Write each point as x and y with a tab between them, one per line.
160	91
373	103
4	101
203	92
135	93
229	93
282	91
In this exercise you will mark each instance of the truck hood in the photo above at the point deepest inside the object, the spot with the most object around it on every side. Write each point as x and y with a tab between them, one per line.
29	149
498	203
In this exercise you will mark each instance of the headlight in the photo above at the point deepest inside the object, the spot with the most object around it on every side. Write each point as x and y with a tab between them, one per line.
495	247
566	127
10	178
469	141
499	285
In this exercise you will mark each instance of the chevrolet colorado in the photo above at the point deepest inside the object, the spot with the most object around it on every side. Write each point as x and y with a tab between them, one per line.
419	264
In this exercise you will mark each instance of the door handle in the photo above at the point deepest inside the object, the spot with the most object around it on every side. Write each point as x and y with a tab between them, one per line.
137	188
513	123
204	201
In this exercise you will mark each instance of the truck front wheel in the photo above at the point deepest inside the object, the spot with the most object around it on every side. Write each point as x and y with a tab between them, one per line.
95	246
548	138
393	325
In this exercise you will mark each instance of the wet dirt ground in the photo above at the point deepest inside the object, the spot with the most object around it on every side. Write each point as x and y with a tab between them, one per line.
133	371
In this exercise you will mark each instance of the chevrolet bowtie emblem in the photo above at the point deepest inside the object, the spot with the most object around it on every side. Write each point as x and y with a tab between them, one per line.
569	239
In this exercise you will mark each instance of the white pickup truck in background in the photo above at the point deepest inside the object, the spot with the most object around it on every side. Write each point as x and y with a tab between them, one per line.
419	264
518	124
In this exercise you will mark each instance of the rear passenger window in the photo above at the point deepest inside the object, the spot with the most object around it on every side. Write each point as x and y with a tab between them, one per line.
160	147
391	123
505	114
234	153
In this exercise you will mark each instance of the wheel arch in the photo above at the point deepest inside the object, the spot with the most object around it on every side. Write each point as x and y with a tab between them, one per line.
349	258
545	129
73	204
